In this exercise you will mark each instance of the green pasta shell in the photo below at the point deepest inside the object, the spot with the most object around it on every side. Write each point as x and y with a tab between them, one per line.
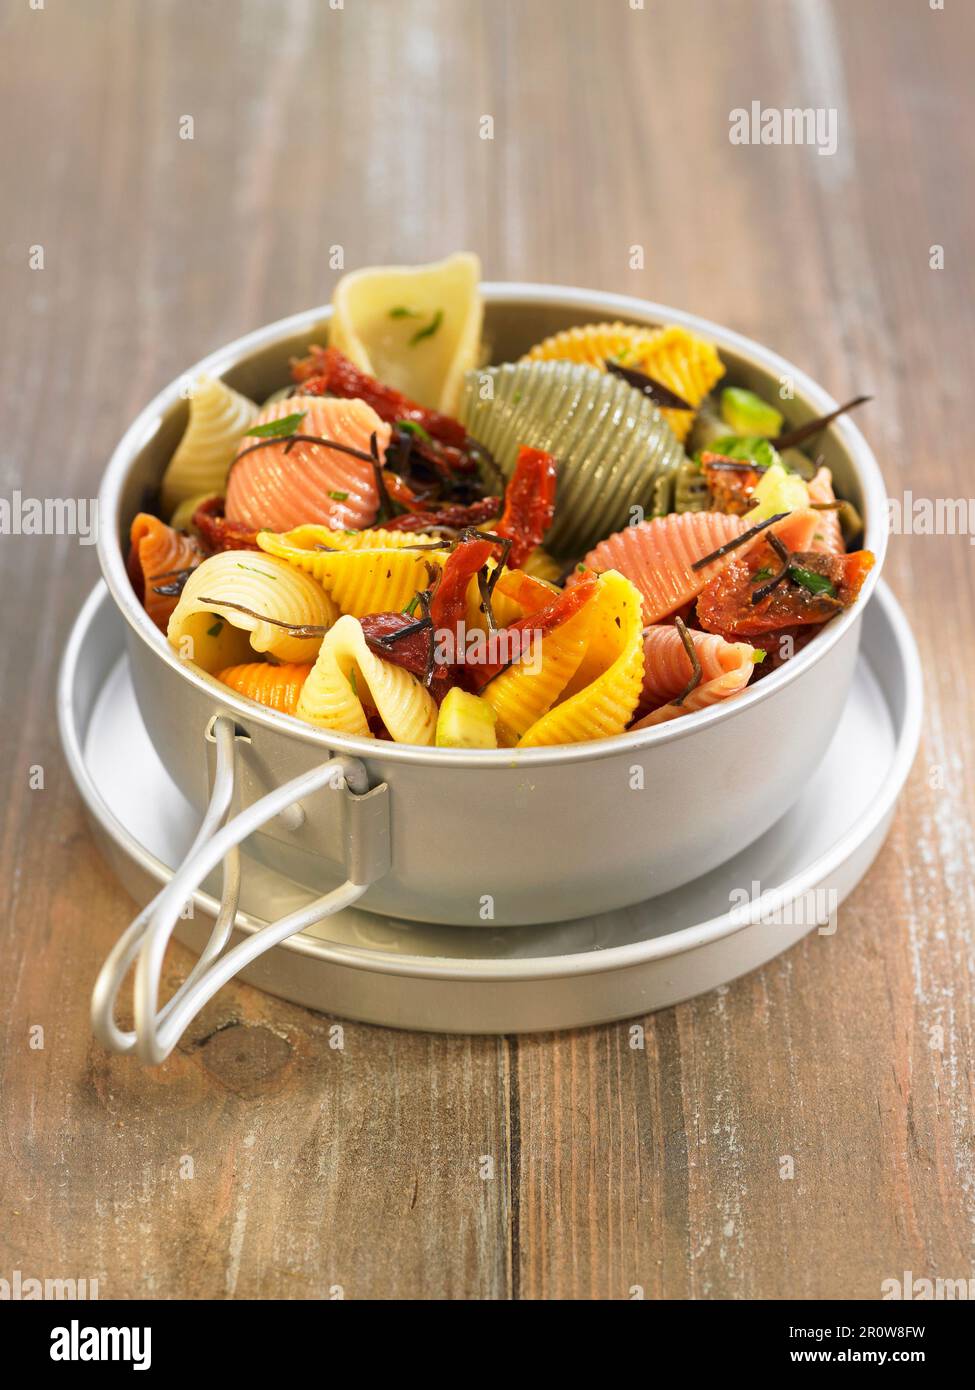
691	491
614	448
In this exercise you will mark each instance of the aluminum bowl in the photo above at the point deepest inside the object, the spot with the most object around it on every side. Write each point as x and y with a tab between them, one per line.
507	837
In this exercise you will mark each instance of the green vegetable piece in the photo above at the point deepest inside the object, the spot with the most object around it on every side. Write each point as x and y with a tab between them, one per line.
809	579
274	429
798	462
746	413
750	447
465	721
428	329
412	427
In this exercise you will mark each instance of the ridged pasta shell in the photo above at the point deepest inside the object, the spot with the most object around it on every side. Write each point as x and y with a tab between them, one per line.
364	579
415	328
590	344
218	418
683	362
161	553
310	482
726	668
688	365
611	442
691	491
541	565
520	695
346	672
658	557
278	687
182	517
600	699
265	585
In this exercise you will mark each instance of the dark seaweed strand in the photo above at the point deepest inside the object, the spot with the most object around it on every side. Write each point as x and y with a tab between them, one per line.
486	581
387	507
691	651
290	440
793	437
295	629
340	550
738	540
825	506
173	590
659	393
764	590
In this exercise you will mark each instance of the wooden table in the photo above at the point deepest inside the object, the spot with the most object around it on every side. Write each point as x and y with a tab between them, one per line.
317	1171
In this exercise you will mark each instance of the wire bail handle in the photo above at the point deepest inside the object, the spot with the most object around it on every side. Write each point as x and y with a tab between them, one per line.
157	1030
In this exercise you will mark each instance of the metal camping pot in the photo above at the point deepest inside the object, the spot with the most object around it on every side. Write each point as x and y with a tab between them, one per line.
471	838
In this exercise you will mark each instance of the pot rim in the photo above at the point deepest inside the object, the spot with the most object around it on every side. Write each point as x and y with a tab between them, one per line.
593	302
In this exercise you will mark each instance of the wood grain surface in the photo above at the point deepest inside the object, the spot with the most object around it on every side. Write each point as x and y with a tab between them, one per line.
318	1172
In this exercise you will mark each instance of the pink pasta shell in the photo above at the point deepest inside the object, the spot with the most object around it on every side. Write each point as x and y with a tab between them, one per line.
310	484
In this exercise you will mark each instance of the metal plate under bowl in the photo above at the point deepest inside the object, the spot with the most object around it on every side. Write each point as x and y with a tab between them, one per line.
520	979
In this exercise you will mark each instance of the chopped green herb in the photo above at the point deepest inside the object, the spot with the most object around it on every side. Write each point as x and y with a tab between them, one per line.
809	579
413	428
275	429
759	575
402	312
412	606
263	573
217	628
758	656
428	329
339	496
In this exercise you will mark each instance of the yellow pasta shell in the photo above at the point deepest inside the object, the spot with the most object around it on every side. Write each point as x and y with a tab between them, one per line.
603	693
680	360
684	362
247	579
347	679
219	417
520	695
589	345
541	565
362	579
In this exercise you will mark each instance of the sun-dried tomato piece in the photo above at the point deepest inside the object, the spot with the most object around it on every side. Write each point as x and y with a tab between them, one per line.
218	533
807	587
730	482
529	503
450	514
326	370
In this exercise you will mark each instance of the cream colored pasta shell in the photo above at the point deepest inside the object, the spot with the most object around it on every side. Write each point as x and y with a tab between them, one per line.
415	328
248	579
346	674
218	419
611	442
